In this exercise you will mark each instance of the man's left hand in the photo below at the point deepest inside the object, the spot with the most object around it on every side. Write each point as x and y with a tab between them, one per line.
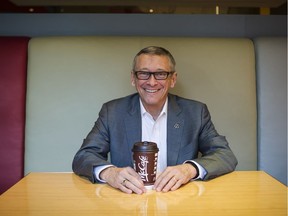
174	176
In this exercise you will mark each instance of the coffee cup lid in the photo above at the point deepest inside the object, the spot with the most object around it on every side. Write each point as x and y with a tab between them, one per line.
145	147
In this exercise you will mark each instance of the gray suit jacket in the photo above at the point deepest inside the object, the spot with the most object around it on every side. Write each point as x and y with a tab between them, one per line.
189	131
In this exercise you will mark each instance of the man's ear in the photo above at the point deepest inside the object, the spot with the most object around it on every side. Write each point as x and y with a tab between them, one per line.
173	80
132	77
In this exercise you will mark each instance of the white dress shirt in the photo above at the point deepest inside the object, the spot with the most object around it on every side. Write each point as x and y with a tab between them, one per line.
156	131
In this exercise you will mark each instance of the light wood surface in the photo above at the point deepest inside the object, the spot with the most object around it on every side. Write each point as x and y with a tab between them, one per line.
237	193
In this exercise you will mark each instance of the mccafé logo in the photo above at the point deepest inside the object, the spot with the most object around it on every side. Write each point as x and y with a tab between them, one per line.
143	168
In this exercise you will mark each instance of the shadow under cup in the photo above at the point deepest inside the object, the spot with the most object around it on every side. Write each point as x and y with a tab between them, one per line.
145	157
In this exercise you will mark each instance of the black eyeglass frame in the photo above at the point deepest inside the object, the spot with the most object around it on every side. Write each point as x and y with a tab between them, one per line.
136	73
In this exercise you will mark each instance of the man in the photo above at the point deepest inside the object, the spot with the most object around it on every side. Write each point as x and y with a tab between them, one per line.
181	128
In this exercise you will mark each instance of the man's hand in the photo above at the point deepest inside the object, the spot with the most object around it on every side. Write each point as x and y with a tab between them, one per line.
125	179
174	176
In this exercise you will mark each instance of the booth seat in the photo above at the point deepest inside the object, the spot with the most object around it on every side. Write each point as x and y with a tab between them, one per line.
271	64
69	78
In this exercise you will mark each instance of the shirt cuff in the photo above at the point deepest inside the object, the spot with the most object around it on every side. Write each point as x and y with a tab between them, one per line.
202	172
98	170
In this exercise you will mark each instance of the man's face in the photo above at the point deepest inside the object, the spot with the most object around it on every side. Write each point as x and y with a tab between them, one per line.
153	92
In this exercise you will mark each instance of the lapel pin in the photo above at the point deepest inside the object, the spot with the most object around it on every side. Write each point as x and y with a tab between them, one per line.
176	125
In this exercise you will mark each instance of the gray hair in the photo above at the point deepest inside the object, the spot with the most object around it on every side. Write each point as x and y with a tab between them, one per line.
155	50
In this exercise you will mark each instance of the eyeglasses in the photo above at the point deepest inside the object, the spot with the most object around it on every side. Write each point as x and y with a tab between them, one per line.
145	75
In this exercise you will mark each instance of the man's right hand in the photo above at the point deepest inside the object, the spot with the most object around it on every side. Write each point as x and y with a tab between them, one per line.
125	179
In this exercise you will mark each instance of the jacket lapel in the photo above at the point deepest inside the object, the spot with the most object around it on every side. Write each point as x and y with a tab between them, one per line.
133	122
175	125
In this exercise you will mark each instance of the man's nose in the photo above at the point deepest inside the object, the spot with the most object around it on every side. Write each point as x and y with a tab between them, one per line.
152	81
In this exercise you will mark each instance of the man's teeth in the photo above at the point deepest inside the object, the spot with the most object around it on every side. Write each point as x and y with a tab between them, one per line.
151	90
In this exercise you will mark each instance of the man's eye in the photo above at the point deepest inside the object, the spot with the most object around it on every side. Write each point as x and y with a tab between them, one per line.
160	74
143	74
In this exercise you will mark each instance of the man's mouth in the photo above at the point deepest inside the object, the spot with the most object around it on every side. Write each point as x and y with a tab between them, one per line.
151	90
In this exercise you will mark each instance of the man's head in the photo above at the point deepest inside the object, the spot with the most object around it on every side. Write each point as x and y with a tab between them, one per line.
153	75
158	51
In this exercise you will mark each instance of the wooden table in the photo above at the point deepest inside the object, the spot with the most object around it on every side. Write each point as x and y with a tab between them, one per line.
239	193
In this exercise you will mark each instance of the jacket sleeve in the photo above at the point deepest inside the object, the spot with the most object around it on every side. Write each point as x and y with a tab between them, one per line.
217	157
94	149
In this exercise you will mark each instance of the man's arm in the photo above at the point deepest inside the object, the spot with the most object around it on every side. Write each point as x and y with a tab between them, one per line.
94	150
217	157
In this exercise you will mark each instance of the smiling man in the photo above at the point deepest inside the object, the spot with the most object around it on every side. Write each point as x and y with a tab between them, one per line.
181	128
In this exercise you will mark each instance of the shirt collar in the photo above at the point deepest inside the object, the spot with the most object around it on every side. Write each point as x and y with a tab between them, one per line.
144	112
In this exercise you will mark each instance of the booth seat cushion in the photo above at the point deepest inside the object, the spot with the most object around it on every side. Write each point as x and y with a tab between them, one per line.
13	62
271	61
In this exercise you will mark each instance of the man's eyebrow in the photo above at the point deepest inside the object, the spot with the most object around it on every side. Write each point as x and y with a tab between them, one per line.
147	70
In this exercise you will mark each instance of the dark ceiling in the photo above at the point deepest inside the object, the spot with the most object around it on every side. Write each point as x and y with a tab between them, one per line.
264	7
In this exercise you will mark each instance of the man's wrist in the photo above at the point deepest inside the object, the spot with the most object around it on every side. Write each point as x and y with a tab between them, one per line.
196	168
98	170
104	174
201	170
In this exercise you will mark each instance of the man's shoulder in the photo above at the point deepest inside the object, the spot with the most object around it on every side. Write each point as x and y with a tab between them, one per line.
123	101
185	101
186	106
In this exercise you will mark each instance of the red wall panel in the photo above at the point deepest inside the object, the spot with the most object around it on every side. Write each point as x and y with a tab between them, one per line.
13	71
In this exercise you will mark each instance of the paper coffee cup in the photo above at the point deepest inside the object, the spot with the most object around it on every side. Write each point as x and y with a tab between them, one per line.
145	157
